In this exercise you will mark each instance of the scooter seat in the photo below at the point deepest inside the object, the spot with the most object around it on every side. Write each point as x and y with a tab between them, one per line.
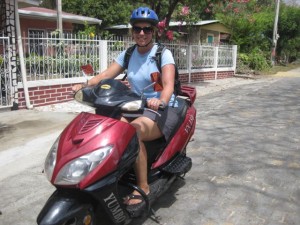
182	108
155	147
181	111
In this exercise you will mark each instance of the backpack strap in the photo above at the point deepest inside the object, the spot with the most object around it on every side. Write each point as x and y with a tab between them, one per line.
158	55
161	48
177	83
127	56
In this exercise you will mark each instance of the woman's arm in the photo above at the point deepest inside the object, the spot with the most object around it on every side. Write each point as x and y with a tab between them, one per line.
168	80
111	72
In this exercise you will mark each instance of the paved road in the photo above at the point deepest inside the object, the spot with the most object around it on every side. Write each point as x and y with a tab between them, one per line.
246	160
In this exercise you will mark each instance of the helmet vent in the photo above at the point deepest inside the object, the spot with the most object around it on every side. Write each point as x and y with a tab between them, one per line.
91	124
144	14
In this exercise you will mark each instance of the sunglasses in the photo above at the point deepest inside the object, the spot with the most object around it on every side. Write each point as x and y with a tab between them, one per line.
146	30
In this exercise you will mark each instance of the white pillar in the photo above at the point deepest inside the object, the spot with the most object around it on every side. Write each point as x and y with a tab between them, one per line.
103	55
216	56
234	57
275	34
189	61
21	55
59	17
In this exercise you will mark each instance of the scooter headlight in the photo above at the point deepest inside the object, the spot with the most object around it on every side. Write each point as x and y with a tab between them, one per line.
132	106
51	160
74	171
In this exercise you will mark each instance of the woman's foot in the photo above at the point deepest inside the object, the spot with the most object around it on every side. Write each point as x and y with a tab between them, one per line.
134	198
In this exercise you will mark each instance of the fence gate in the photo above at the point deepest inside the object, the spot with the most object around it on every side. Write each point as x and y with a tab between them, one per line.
6	95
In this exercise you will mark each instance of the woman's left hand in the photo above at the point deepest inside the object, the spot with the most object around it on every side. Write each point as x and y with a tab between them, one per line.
154	103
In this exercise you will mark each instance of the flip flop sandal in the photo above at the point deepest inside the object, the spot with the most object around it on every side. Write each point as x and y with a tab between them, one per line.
137	209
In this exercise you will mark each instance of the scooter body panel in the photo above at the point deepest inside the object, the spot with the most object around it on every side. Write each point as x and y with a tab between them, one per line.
179	140
87	133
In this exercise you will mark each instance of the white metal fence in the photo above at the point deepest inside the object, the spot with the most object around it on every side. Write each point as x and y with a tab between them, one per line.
50	57
5	73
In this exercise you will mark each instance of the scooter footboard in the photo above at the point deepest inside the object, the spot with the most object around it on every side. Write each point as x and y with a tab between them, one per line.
65	208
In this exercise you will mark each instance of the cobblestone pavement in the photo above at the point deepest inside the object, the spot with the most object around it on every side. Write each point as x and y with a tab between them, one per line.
245	156
246	160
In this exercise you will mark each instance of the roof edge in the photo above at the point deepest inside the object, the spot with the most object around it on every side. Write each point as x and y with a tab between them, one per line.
65	16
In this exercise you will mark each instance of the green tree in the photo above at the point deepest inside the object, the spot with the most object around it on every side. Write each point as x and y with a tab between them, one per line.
288	45
251	21
111	12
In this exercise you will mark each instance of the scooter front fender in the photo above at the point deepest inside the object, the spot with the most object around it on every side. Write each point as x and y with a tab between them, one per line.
64	207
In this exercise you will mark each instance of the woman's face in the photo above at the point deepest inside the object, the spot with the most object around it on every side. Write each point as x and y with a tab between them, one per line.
142	33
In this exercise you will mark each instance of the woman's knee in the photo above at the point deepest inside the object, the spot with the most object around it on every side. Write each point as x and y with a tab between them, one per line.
147	129
140	128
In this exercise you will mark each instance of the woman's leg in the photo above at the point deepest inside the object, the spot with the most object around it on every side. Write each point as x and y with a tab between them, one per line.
147	130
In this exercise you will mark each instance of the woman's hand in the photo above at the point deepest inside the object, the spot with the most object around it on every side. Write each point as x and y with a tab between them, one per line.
112	71
77	87
155	104
126	83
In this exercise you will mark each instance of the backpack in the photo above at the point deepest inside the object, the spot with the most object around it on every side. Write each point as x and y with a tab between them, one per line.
157	58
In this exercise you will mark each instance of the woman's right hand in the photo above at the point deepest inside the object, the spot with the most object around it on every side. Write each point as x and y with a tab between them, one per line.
126	83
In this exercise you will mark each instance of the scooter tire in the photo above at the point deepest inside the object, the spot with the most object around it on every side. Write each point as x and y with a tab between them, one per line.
88	218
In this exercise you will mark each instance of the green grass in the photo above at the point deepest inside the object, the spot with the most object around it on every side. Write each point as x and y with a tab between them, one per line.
280	68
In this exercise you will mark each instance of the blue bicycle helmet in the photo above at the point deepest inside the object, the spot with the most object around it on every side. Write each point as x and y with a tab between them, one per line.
144	14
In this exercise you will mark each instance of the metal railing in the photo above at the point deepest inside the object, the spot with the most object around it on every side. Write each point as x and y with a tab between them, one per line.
5	73
51	57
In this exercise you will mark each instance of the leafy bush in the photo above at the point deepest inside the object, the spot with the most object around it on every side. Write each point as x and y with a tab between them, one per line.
258	60
243	62
255	60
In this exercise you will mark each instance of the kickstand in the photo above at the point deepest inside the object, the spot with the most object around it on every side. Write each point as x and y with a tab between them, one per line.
181	176
153	216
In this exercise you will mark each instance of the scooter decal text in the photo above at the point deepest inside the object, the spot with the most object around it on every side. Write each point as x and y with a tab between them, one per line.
115	208
189	125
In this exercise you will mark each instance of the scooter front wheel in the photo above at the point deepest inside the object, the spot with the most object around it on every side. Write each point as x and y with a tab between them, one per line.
87	219
84	218
64	208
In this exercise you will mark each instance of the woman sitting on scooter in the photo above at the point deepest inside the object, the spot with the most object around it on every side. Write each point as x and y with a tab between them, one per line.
141	65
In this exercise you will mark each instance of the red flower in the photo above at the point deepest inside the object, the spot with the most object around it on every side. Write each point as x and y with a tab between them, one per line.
169	35
185	10
207	10
236	10
162	24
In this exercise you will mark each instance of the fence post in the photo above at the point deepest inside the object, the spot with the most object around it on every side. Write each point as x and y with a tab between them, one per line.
103	53
22	59
216	57
234	57
189	61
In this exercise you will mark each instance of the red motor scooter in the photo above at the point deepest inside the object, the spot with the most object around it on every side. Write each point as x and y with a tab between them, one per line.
91	162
